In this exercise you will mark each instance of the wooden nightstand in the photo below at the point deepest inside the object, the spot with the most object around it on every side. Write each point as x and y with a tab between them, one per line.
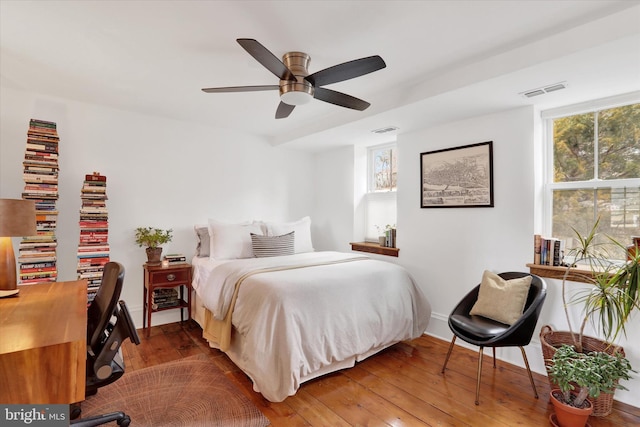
157	277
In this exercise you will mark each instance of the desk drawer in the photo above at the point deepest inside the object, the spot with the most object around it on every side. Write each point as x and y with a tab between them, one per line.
175	276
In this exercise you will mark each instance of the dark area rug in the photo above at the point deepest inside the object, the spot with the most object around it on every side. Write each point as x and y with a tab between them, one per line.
188	392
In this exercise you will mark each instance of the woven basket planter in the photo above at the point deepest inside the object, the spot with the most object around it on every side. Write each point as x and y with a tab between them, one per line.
551	340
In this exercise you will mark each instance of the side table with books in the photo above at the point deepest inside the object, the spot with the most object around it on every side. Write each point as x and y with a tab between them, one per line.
166	288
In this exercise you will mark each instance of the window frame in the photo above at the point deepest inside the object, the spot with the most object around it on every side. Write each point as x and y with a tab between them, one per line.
371	166
548	185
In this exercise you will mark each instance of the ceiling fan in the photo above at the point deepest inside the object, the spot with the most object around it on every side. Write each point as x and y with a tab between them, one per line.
297	86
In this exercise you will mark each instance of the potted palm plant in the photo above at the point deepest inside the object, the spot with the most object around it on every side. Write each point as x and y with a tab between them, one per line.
607	304
152	238
579	375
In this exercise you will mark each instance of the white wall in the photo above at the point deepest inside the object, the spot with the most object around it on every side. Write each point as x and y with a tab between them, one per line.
447	249
333	192
160	173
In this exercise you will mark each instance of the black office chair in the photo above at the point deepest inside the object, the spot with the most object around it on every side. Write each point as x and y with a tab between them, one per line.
108	325
485	332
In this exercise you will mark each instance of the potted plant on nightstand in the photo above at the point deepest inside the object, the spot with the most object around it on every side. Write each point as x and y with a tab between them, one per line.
152	238
608	304
579	375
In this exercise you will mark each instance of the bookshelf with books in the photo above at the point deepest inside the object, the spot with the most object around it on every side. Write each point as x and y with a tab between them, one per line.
37	254
93	248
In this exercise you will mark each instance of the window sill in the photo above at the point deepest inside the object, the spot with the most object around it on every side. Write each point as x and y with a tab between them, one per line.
577	274
374	248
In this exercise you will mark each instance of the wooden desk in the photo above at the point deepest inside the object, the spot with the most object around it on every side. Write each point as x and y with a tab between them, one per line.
43	344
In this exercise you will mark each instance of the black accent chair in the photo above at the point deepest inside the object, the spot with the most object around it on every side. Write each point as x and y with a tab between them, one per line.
108	325
485	332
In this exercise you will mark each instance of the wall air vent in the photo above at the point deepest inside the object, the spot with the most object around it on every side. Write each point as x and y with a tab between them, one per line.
542	90
385	129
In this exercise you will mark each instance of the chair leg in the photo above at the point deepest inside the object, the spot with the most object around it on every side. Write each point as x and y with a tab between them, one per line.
526	363
494	357
479	375
448	353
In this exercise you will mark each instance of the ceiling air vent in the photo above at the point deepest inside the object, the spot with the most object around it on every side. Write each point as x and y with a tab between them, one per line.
385	129
542	90
533	93
555	87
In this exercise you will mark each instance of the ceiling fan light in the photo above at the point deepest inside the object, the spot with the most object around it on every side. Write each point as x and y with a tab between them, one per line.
296	98
296	93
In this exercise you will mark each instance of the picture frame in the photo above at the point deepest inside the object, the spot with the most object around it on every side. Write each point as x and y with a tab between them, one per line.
458	177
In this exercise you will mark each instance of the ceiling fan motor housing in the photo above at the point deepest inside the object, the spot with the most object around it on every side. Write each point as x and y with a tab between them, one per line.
300	91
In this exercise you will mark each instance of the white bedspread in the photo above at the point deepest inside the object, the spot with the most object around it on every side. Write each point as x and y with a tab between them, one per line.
296	324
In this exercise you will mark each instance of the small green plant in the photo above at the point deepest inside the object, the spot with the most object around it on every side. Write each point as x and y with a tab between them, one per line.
593	373
382	230
152	237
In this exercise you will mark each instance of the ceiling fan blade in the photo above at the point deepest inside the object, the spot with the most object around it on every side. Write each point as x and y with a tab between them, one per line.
284	110
266	58
346	71
341	99
240	89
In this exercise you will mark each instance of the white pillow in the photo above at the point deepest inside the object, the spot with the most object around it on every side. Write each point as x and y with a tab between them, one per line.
230	241
302	228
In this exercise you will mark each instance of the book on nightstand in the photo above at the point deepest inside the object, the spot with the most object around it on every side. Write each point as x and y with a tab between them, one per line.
175	259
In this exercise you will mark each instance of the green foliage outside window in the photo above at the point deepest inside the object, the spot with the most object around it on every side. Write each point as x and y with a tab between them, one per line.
592	148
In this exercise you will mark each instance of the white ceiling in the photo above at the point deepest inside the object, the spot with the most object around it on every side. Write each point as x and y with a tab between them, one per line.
445	60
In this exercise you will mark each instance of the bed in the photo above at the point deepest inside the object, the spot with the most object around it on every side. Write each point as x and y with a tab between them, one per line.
286	319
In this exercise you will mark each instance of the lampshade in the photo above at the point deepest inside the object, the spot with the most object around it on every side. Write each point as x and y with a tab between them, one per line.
17	218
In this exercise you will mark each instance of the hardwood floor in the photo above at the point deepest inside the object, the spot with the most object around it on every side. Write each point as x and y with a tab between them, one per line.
401	386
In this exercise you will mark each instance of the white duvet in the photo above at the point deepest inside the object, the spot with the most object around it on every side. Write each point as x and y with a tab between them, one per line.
293	325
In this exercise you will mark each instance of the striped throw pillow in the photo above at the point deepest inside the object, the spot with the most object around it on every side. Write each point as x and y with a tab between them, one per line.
266	246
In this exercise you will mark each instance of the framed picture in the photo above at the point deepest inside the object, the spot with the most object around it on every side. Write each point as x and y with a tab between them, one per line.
459	177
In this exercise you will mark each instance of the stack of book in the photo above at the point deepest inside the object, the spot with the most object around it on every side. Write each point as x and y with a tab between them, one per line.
37	254
173	259
93	249
164	298
548	250
390	238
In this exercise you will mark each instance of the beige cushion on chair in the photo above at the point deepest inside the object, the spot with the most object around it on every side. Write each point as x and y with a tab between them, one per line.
501	300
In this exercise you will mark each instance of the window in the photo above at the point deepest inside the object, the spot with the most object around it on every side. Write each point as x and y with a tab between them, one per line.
593	171
380	200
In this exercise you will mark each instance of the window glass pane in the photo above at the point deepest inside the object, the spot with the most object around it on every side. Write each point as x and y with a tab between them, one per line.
617	208
385	169
573	148
619	142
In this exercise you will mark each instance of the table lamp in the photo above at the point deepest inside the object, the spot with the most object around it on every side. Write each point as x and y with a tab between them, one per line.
17	218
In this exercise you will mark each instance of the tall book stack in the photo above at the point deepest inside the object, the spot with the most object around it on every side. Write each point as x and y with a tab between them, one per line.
37	254
93	249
